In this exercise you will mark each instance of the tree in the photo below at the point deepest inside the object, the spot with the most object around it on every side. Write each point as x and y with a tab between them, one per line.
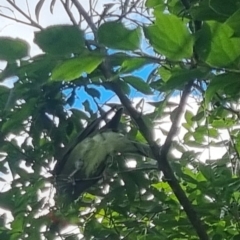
192	48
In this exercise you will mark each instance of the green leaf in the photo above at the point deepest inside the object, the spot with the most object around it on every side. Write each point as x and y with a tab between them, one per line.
188	117
117	59
130	186
199	116
138	84
226	123
217	46
60	40
87	106
13	49
7	99
93	92
236	237
124	86
234	22
198	136
133	64
154	3
164	73
79	114
226	8
38	67
75	67
203	12
19	116
170	37
220	82
206	171
115	35
178	77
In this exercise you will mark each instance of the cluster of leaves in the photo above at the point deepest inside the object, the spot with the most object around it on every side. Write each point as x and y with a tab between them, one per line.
193	42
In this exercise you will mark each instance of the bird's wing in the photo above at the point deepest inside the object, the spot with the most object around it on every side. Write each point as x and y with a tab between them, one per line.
89	130
72	188
72	181
113	124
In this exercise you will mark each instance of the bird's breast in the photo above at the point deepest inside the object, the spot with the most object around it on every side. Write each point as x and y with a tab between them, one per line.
93	151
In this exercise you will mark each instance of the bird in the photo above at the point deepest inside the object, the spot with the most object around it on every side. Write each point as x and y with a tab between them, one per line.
83	162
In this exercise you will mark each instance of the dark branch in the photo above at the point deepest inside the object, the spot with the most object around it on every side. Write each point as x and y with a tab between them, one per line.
88	19
161	156
66	7
33	23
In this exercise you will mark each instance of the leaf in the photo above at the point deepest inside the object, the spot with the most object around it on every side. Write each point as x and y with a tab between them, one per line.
52	5
188	117
15	123
234	22
79	114
178	77
206	171
93	92
164	73
138	84
13	49
60	40
226	123
39	67
154	3
75	67
220	82
124	86
130	186
226	8
38	8
115	35
217	46
87	106
199	116
117	59
170	37
203	12
133	64
236	237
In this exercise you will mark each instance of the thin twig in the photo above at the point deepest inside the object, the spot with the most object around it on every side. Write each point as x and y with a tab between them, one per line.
176	121
33	23
138	169
125	6
17	20
88	19
129	11
28	8
66	7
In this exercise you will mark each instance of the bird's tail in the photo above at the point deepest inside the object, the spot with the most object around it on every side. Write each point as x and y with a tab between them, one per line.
138	148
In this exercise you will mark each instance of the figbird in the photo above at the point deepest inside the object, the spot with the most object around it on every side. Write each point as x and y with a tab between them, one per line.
85	159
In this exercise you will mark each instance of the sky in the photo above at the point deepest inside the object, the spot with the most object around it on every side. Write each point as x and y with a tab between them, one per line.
46	18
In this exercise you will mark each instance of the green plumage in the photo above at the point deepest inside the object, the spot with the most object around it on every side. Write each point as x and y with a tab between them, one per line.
84	161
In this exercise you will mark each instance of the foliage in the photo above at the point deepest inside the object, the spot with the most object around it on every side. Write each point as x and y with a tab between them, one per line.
192	47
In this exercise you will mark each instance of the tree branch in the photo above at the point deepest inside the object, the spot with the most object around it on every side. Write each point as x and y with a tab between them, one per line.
66	7
17	20
161	155
176	121
88	19
33	23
